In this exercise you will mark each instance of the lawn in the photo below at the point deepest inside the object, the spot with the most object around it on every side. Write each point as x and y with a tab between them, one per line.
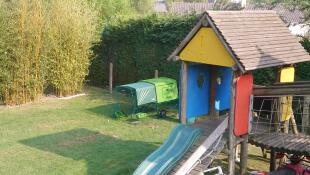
79	136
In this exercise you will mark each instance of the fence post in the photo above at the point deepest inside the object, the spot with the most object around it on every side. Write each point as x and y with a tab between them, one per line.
111	77
156	74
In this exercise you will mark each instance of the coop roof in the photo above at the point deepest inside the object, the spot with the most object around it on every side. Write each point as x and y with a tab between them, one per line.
254	39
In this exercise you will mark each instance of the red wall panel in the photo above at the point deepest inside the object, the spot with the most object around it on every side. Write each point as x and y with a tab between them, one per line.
244	87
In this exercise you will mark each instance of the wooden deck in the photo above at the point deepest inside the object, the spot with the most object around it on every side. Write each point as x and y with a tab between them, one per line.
264	135
281	142
208	126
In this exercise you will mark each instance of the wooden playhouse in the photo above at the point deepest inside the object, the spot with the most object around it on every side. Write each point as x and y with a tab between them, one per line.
216	84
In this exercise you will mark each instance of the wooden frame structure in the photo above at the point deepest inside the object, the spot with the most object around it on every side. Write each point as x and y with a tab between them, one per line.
240	34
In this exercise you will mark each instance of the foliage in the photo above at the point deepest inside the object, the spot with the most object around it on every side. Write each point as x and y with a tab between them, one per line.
226	5
170	1
69	38
302	69
21	45
138	47
302	4
43	44
110	11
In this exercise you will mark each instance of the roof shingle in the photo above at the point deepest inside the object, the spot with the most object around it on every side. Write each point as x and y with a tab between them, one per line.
291	16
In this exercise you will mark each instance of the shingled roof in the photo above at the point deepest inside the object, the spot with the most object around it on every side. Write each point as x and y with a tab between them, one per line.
290	15
254	39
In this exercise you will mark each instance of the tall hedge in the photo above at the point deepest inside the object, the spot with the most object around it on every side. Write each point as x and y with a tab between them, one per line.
303	69
21	44
138	47
44	45
69	36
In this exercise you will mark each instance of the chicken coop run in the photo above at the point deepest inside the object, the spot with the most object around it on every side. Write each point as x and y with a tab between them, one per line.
146	96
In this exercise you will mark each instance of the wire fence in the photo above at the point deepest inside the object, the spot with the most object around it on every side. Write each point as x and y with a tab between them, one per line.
289	114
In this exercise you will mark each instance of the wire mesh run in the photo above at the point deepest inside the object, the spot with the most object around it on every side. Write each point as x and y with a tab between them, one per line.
289	114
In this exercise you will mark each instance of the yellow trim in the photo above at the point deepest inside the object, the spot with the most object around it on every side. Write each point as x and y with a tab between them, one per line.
206	48
287	75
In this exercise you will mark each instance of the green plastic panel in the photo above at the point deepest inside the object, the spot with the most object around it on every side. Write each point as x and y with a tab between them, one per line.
145	92
166	88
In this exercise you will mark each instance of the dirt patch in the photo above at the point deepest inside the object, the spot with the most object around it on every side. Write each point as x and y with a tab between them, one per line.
80	140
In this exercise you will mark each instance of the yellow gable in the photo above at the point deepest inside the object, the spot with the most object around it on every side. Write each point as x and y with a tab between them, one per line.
205	47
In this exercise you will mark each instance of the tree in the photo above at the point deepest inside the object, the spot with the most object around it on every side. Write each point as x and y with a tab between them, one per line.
301	4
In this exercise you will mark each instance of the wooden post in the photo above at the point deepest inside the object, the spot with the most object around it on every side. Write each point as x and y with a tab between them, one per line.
244	154
111	77
276	119
183	101
245	139
156	74
294	125
213	82
273	161
231	135
306	115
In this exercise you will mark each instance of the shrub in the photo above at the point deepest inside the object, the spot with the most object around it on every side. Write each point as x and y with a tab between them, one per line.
21	45
43	44
139	46
69	36
303	69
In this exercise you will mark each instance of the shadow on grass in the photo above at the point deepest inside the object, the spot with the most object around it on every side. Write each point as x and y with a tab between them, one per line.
104	110
109	109
103	154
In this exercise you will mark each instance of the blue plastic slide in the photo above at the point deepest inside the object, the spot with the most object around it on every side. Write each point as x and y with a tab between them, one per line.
162	160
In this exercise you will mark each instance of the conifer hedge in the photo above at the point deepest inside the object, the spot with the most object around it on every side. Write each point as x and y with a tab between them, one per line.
139	46
44	45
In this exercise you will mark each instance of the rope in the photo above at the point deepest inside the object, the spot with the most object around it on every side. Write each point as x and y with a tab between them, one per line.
277	112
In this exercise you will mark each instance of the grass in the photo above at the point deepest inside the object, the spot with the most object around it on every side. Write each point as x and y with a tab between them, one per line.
78	136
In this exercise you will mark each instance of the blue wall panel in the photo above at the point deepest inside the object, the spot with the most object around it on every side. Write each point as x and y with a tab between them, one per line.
223	89
198	93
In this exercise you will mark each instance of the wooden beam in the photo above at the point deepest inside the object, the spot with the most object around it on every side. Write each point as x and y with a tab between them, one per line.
213	83
183	100
231	135
276	119
273	161
244	155
292	83
282	90
245	140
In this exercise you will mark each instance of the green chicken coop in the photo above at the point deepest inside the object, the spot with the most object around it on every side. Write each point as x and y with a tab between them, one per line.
137	99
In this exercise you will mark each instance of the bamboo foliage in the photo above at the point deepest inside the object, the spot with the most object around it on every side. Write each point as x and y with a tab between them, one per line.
69	39
43	44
